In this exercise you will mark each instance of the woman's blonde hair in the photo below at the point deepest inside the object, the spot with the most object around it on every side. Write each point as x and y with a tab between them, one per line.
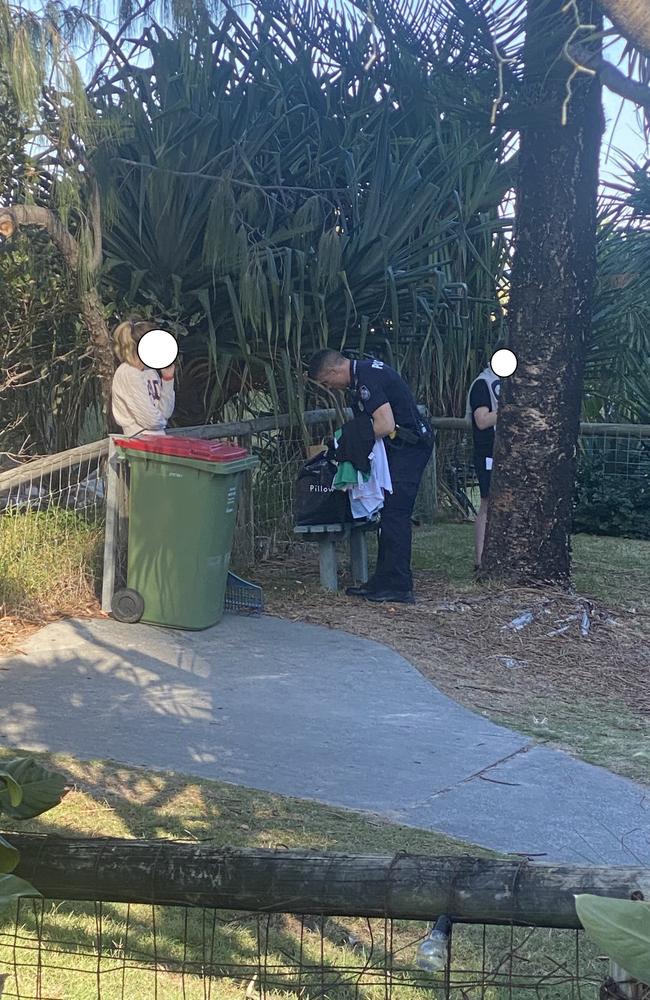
126	337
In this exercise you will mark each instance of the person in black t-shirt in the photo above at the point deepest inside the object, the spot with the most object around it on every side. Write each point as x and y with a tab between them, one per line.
483	402
381	392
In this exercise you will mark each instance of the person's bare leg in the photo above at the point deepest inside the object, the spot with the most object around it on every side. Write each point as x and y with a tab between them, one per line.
479	530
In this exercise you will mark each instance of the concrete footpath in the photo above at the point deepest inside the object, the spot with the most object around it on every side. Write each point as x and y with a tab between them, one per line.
318	714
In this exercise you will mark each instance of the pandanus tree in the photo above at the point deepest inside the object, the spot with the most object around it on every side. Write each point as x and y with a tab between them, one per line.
617	374
50	185
296	179
265	185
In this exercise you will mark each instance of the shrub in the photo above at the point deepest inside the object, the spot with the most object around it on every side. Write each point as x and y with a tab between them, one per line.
610	504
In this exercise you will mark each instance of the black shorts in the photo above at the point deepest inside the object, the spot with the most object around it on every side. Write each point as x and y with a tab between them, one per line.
483	475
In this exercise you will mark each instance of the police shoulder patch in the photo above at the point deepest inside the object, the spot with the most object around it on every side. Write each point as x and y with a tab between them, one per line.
378	364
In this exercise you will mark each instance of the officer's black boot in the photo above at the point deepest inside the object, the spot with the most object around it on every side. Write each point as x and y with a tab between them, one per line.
391	597
362	590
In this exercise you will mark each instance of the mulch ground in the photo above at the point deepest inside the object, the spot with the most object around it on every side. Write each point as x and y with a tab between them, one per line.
17	627
466	644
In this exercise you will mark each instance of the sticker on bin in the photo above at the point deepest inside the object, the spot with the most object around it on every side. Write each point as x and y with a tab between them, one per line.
184	447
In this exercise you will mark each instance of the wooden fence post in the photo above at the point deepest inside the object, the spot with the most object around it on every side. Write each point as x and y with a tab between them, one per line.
428	496
111	528
244	547
400	886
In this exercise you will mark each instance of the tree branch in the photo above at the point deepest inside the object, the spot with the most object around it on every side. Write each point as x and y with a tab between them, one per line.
113	46
92	311
95	218
611	77
33	215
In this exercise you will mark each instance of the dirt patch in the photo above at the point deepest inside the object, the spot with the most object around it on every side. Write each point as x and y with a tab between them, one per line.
465	643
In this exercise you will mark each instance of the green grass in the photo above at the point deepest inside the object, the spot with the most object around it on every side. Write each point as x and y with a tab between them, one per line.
608	734
110	800
612	570
49	561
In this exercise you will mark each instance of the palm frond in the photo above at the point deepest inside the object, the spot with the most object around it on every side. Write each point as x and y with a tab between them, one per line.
284	193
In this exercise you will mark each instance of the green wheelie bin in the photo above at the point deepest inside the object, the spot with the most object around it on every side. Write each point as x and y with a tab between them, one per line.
182	507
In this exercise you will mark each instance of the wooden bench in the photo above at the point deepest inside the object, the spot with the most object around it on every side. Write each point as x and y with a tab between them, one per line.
327	536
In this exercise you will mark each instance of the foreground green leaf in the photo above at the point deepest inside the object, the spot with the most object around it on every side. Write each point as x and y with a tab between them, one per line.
14	790
621	927
41	789
12	888
8	856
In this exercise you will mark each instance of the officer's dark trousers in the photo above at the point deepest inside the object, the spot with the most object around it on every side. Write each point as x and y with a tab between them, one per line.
406	463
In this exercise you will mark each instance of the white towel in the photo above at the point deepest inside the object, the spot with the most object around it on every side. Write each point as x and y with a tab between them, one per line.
368	497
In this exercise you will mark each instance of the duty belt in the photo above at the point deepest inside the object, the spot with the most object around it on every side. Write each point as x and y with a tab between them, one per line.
405	435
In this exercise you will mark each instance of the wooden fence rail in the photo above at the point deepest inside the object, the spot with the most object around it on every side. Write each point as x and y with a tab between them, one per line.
41	468
400	886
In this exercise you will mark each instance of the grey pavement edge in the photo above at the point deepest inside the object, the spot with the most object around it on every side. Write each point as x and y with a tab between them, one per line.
317	714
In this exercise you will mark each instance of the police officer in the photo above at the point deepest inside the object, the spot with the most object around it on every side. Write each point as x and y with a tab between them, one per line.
482	407
381	392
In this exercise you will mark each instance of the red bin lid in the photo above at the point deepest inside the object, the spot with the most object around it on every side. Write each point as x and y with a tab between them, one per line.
184	447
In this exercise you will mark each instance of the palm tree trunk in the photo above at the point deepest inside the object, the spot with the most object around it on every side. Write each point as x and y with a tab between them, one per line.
631	18
94	319
549	314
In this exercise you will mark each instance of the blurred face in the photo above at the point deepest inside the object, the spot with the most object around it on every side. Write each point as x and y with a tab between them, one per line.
335	377
139	330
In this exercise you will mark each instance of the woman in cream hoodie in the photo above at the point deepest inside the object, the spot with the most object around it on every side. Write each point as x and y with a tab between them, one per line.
142	399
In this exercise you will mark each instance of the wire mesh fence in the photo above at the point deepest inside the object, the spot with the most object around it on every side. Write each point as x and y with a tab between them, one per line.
613	455
51	530
119	951
134	919
621	450
266	516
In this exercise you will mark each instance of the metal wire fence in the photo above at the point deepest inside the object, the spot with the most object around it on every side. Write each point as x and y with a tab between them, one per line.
616	454
51	530
130	920
117	951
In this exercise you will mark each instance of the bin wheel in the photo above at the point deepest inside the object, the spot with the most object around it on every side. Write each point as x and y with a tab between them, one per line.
127	606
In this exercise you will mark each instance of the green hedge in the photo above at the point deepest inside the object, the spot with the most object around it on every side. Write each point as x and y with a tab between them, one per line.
610	504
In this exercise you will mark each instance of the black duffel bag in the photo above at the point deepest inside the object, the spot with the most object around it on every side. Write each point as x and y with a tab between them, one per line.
316	501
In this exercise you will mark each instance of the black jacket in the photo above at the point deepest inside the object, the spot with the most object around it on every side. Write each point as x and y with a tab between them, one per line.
356	442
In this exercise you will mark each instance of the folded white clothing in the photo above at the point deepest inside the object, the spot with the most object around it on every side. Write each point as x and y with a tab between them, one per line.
363	508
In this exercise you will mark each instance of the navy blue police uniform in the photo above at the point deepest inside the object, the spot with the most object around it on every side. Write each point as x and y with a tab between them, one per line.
483	440
374	384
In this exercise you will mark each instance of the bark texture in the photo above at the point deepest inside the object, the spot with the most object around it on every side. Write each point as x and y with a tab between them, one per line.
401	886
632	19
549	314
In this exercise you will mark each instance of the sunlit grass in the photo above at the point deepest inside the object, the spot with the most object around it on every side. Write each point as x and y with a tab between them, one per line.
49	561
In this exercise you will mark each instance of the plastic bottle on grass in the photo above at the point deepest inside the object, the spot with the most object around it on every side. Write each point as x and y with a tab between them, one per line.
432	953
